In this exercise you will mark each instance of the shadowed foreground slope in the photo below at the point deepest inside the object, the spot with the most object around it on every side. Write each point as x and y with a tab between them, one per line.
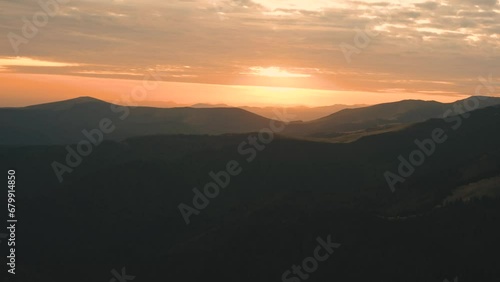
120	208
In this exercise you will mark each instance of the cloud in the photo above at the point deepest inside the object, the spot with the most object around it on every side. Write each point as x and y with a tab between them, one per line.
453	40
489	3
23	62
429	5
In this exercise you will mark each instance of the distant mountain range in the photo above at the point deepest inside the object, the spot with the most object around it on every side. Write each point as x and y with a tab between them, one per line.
122	202
380	117
63	122
301	113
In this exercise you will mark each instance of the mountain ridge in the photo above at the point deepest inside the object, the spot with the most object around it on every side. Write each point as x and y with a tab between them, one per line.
62	122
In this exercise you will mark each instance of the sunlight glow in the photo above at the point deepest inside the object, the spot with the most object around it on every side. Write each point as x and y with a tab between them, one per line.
24	61
274	72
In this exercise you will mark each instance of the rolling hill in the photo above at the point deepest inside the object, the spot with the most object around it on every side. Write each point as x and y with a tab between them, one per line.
122	203
300	112
63	122
378	117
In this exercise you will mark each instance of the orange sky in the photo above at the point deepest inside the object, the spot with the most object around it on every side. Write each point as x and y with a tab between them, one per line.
27	89
250	52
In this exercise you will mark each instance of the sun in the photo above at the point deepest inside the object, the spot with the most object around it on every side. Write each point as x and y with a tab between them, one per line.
275	76
275	72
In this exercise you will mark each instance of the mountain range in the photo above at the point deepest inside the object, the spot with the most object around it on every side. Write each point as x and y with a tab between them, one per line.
63	122
302	113
120	206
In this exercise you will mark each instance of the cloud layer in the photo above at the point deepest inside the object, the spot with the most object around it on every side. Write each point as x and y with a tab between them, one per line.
413	46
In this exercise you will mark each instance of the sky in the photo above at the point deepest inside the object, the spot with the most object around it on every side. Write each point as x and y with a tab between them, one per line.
247	52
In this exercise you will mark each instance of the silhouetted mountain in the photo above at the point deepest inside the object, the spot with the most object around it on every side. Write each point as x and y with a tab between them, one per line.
66	104
120	207
300	112
63	122
161	104
203	105
379	116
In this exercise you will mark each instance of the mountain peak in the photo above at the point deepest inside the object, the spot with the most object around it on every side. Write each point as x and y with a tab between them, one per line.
85	99
66	104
